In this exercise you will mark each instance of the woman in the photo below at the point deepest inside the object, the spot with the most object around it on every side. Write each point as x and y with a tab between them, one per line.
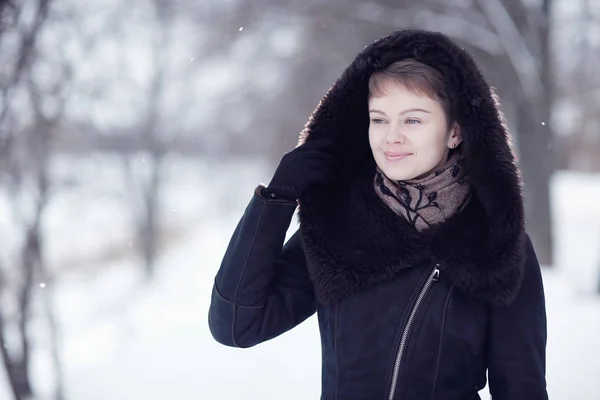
412	246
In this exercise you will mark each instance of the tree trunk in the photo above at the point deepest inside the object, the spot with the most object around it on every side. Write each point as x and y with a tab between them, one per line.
54	338
534	128
30	257
541	149
149	226
17	367
9	364
148	241
535	166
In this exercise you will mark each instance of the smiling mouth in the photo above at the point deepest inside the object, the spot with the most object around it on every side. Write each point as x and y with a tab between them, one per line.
392	157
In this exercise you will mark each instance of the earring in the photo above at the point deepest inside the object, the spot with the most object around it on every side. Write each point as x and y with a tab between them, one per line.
453	145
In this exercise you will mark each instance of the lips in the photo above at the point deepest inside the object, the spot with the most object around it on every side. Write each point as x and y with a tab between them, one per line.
396	155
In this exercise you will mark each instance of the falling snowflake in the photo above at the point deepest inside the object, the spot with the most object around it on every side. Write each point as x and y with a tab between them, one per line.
543	123
241	28
42	285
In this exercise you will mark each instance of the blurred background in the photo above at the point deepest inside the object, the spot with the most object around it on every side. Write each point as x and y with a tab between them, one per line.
132	135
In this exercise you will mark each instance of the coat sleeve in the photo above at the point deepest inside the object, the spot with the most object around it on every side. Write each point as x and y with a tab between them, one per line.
262	288
517	340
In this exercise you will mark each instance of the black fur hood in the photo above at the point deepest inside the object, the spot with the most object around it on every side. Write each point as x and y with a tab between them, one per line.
353	240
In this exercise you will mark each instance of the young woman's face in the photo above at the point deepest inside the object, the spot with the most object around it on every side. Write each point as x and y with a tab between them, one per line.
408	133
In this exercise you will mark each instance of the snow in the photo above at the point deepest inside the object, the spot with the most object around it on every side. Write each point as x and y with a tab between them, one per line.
125	339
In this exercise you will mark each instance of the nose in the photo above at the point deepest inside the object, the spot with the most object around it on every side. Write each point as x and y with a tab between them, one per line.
395	135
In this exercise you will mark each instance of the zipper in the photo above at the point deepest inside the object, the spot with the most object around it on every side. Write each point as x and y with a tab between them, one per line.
437	363
433	277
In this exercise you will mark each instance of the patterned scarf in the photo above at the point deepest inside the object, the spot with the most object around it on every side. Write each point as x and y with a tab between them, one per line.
429	200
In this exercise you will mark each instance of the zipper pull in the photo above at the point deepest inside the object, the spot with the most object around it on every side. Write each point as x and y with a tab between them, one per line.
436	272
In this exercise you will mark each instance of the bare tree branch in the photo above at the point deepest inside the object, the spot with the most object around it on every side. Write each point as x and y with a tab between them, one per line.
515	47
28	40
459	28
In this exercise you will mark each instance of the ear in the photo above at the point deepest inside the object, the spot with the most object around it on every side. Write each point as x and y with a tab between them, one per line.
455	137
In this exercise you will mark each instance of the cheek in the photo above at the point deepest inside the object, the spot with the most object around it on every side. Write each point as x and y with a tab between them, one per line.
431	145
374	138
370	140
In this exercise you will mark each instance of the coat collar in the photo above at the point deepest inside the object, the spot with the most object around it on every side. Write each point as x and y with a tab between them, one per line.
353	240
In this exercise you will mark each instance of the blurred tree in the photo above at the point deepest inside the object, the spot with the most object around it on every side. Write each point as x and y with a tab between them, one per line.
580	88
32	109
146	188
6	6
524	31
586	93
170	97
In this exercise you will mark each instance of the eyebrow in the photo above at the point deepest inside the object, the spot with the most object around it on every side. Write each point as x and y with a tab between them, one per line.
402	112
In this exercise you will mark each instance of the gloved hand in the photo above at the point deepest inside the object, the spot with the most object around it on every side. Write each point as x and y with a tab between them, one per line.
309	164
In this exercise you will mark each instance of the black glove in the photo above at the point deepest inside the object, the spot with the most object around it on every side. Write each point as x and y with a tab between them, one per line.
309	164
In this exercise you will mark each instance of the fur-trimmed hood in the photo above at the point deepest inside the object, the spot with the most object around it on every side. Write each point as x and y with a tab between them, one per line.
353	240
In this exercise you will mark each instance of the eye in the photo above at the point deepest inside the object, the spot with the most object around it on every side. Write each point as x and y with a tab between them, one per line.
412	121
378	121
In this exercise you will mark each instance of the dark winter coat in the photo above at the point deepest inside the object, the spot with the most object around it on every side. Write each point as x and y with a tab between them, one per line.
402	314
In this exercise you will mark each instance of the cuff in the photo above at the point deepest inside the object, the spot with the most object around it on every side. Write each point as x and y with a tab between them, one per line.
271	196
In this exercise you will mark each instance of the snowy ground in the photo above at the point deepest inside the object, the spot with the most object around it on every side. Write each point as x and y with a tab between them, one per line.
124	340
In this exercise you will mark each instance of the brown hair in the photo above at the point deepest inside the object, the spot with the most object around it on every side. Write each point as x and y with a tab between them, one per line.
416	77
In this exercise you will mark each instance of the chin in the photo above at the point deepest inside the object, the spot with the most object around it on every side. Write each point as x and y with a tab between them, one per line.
402	170
397	175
